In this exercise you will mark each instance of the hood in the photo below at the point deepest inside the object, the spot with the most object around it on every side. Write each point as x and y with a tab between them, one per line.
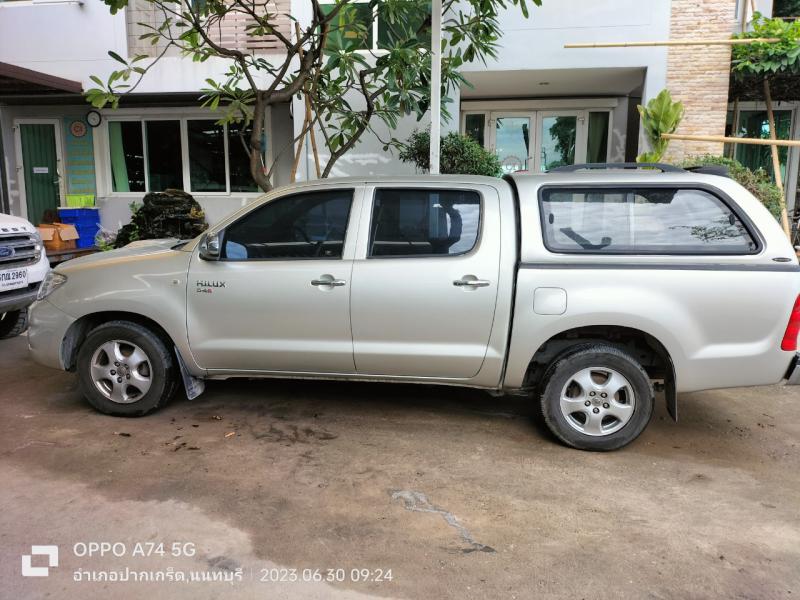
9	222
138	248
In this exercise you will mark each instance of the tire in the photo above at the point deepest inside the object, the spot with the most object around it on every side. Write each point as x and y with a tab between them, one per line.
582	376
13	323
126	370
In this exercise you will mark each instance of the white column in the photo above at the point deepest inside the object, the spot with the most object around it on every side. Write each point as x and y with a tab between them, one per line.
436	83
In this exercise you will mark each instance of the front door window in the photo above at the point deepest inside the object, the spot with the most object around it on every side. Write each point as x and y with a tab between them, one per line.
310	225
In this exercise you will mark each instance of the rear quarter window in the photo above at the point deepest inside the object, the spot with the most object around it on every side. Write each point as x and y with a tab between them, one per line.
641	221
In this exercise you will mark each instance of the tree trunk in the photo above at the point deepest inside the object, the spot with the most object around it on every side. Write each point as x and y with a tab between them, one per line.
256	153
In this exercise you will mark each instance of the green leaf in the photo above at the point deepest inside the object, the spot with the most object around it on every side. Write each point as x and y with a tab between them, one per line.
117	57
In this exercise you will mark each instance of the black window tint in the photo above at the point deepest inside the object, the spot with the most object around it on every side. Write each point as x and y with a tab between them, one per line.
311	225
407	222
641	221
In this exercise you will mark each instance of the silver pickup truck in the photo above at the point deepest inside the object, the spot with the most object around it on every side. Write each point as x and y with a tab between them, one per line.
588	290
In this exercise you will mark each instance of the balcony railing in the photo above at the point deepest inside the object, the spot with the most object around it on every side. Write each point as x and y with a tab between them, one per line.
231	32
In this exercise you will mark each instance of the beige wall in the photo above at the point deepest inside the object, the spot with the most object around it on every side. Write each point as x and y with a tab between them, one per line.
698	75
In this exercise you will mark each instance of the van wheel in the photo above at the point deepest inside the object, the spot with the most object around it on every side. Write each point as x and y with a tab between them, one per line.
597	397
13	323
125	370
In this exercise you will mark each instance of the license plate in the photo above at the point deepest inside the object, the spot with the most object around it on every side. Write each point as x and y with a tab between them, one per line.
13	279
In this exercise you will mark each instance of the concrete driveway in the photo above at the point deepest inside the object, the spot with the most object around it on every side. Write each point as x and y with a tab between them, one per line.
295	489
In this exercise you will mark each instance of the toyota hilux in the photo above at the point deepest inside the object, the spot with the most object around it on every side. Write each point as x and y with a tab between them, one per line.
587	289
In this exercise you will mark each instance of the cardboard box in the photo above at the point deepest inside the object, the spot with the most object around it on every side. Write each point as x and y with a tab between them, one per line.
58	236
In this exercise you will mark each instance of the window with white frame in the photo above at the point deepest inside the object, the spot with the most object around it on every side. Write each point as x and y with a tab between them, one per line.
560	139
193	154
357	27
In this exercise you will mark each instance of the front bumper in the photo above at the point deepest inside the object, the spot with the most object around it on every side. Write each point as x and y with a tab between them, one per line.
47	328
18	299
793	374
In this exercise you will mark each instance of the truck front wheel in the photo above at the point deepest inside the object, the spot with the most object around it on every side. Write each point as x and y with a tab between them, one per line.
13	323
597	397
126	370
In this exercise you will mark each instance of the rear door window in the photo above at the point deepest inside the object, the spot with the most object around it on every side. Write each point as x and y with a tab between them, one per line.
641	221
424	222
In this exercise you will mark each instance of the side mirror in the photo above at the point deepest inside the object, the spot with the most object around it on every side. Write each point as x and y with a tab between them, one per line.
209	246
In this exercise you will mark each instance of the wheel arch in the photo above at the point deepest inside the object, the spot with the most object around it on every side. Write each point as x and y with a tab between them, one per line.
78	331
645	347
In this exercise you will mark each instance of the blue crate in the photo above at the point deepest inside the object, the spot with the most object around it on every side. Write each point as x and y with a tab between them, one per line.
83	222
79	216
87	234
78	212
87	227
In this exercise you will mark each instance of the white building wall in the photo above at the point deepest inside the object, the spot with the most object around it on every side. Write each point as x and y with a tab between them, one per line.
72	40
537	43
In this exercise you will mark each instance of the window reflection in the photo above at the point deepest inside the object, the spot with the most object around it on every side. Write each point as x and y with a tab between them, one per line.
656	221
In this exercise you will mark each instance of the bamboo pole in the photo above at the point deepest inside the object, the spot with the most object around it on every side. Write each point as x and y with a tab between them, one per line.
700	42
734	126
306	126
776	161
730	140
313	137
296	163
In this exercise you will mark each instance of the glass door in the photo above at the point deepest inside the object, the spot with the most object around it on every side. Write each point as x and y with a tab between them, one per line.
541	140
561	139
511	140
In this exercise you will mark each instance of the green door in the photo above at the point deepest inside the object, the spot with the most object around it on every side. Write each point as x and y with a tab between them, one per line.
39	162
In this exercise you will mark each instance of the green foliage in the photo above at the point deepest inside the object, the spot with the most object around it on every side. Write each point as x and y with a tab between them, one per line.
765	59
350	90
459	155
759	183
661	115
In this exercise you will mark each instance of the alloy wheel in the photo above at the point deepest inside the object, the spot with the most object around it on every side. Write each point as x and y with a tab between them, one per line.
121	371
597	401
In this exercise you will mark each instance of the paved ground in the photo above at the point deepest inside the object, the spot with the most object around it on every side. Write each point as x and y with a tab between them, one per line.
457	493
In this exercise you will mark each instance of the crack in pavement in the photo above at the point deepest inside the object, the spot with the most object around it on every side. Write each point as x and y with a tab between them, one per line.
418	502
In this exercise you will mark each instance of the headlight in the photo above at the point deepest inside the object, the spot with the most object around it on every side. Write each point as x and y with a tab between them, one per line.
52	281
37	248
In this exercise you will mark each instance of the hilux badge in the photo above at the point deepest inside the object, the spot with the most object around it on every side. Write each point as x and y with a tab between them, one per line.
206	286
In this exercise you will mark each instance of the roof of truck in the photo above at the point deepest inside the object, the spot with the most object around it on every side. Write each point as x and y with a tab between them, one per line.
611	176
525	181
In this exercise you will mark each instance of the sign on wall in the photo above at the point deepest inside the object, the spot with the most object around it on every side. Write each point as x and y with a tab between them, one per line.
79	157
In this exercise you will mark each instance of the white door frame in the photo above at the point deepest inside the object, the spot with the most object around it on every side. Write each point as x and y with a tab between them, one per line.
57	125
536	118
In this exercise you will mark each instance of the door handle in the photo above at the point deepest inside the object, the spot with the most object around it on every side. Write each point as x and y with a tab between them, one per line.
471	283
330	282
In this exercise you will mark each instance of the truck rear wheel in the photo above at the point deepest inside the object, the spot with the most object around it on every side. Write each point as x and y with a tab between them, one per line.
126	370
597	397
13	323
